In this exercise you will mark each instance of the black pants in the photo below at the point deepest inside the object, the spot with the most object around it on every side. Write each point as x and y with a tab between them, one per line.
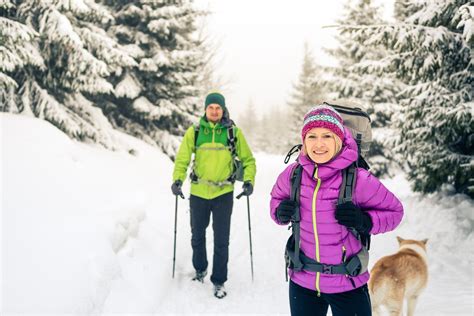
306	302
221	208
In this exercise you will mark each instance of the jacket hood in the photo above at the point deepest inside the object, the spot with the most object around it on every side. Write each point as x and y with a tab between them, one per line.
346	156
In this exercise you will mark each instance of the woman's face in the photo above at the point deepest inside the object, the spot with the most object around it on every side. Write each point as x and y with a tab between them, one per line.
320	144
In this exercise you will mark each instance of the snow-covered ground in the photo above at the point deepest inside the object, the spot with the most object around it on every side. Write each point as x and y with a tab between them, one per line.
89	231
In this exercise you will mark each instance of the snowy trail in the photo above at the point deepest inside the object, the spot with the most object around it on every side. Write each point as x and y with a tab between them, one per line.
152	251
148	259
88	231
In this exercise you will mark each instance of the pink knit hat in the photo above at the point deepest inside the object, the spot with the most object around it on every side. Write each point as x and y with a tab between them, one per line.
323	116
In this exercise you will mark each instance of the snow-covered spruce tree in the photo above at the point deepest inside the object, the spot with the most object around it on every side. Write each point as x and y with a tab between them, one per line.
159	99
77	57
19	56
355	78
307	92
404	8
432	53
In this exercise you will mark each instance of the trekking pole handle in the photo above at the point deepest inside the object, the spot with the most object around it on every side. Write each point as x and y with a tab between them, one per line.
240	195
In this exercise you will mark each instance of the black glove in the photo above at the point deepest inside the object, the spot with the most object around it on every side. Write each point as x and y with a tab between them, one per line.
351	216
176	188
285	211
247	188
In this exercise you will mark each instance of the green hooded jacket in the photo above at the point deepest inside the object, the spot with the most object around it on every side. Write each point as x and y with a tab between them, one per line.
213	162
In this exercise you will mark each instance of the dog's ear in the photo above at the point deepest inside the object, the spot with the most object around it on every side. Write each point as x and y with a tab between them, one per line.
400	239
424	241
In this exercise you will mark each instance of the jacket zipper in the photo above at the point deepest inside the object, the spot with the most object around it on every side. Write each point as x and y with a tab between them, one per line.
315	228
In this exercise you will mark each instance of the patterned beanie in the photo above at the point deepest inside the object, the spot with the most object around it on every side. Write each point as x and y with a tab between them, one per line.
215	98
323	116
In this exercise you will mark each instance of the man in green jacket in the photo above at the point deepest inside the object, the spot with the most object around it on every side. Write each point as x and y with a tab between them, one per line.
212	184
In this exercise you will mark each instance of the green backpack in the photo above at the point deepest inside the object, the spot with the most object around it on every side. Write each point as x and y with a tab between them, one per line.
238	172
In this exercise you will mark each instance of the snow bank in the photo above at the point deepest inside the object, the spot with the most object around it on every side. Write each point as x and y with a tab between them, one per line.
67	210
90	231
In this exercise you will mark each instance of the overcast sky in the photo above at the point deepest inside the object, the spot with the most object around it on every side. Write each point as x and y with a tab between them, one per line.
261	43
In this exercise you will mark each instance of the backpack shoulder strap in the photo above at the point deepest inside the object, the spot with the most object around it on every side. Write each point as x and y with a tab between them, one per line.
295	225
348	184
197	127
193	175
232	140
295	181
345	195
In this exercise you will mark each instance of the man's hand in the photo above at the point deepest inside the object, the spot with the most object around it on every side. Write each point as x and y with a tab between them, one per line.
351	216
176	188
247	188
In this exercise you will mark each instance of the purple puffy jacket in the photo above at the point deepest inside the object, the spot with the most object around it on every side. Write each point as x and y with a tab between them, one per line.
322	238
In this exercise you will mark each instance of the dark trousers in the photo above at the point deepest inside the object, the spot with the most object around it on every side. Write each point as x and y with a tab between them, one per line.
306	302
221	209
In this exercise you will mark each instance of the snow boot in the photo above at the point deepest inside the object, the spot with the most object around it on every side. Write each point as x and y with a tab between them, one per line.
219	291
200	275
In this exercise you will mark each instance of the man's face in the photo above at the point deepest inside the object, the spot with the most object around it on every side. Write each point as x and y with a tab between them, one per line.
214	112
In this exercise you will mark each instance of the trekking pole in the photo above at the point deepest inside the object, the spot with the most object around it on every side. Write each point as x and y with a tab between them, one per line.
250	231
250	236
175	222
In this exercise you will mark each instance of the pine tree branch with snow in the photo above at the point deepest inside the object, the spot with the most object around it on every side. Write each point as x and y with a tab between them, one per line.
140	58
431	55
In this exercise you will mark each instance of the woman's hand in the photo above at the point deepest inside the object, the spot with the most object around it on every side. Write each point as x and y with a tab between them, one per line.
351	216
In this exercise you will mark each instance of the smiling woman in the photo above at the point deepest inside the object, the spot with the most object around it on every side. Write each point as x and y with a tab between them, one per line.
327	257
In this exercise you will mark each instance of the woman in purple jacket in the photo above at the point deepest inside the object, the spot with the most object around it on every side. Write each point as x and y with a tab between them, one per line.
325	237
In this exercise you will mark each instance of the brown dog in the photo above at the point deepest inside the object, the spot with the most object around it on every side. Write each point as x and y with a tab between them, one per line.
399	276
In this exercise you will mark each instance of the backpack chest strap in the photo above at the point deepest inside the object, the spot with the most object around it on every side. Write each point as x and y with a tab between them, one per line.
356	265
